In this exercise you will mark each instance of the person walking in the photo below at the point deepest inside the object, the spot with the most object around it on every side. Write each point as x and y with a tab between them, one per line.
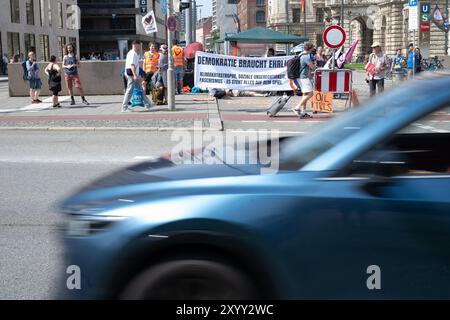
397	67
133	79
163	66
178	62
320	58
305	81
376	69
33	77
418	57
71	74
53	71
151	58
411	61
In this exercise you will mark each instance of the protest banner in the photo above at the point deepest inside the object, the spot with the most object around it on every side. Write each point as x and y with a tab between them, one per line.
149	23
213	71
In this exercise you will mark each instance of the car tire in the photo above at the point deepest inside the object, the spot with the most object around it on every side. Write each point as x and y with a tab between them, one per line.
190	280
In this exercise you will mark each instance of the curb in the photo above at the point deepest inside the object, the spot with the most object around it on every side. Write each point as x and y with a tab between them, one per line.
153	129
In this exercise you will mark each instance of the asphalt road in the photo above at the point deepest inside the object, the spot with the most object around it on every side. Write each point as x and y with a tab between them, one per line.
38	169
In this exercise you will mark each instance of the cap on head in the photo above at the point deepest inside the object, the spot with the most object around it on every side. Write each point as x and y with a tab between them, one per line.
376	44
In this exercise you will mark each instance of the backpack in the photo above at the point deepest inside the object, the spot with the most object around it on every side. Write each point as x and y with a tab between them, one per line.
25	75
293	67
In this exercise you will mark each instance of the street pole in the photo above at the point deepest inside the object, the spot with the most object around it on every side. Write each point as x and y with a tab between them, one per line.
188	22
341	20
304	18
170	73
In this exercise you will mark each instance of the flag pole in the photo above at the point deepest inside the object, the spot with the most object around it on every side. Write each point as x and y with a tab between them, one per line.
304	15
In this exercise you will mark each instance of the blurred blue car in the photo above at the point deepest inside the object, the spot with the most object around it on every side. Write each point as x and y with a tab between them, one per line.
359	209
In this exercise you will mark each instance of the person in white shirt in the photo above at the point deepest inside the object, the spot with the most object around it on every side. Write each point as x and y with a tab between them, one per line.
376	69
133	78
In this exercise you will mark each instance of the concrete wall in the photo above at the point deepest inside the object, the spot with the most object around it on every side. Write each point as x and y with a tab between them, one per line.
97	78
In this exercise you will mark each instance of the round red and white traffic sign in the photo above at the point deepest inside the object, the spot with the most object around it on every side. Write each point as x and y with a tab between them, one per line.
334	37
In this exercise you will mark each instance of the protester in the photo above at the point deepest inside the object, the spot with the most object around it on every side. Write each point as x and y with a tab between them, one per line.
151	58
305	81
163	65
33	77
418	57
397	67
410	61
133	78
178	61
53	71
270	52
235	49
5	64
71	74
320	58
376	69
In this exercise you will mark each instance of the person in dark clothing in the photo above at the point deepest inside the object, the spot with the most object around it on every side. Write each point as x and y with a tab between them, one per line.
53	71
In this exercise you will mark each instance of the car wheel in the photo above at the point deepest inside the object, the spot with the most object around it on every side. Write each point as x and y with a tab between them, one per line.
190	279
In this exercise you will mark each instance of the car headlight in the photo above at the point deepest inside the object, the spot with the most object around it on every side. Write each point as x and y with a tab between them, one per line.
81	226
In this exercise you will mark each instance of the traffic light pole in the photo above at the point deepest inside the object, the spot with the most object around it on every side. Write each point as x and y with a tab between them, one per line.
170	71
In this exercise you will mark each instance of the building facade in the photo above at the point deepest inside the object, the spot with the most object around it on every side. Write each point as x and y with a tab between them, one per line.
385	21
252	13
43	26
222	17
108	27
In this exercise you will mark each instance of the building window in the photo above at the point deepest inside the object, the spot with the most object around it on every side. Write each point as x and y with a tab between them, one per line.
232	1
42	12
296	15
30	11
60	15
61	44
15	11
30	43
260	3
45	48
49	13
13	43
72	17
260	16
320	15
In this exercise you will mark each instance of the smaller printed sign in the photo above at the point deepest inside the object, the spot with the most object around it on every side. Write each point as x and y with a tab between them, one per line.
322	102
149	23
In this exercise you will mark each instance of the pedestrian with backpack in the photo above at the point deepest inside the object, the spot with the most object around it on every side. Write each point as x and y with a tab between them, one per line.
32	75
304	80
53	71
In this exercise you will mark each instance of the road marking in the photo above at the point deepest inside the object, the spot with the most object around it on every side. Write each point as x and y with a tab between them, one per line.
279	131
145	157
46	104
254	121
430	128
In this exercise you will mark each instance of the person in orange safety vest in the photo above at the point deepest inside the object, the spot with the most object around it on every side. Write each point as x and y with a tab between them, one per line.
178	62
151	59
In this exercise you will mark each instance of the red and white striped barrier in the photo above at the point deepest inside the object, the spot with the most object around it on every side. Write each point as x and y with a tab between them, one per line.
335	81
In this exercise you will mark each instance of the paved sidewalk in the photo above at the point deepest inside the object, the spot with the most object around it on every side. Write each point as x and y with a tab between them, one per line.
104	112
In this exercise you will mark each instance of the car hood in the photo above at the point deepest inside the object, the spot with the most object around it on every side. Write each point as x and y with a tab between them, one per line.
134	181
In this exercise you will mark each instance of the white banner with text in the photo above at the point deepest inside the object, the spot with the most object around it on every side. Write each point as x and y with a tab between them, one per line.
214	71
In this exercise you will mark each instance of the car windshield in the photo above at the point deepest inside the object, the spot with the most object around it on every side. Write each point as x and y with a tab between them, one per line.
302	150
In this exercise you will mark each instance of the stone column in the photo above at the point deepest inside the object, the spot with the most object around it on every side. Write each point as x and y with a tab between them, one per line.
396	28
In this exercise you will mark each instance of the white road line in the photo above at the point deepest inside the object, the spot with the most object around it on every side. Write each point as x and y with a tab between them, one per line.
46	104
430	128
279	131
145	157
